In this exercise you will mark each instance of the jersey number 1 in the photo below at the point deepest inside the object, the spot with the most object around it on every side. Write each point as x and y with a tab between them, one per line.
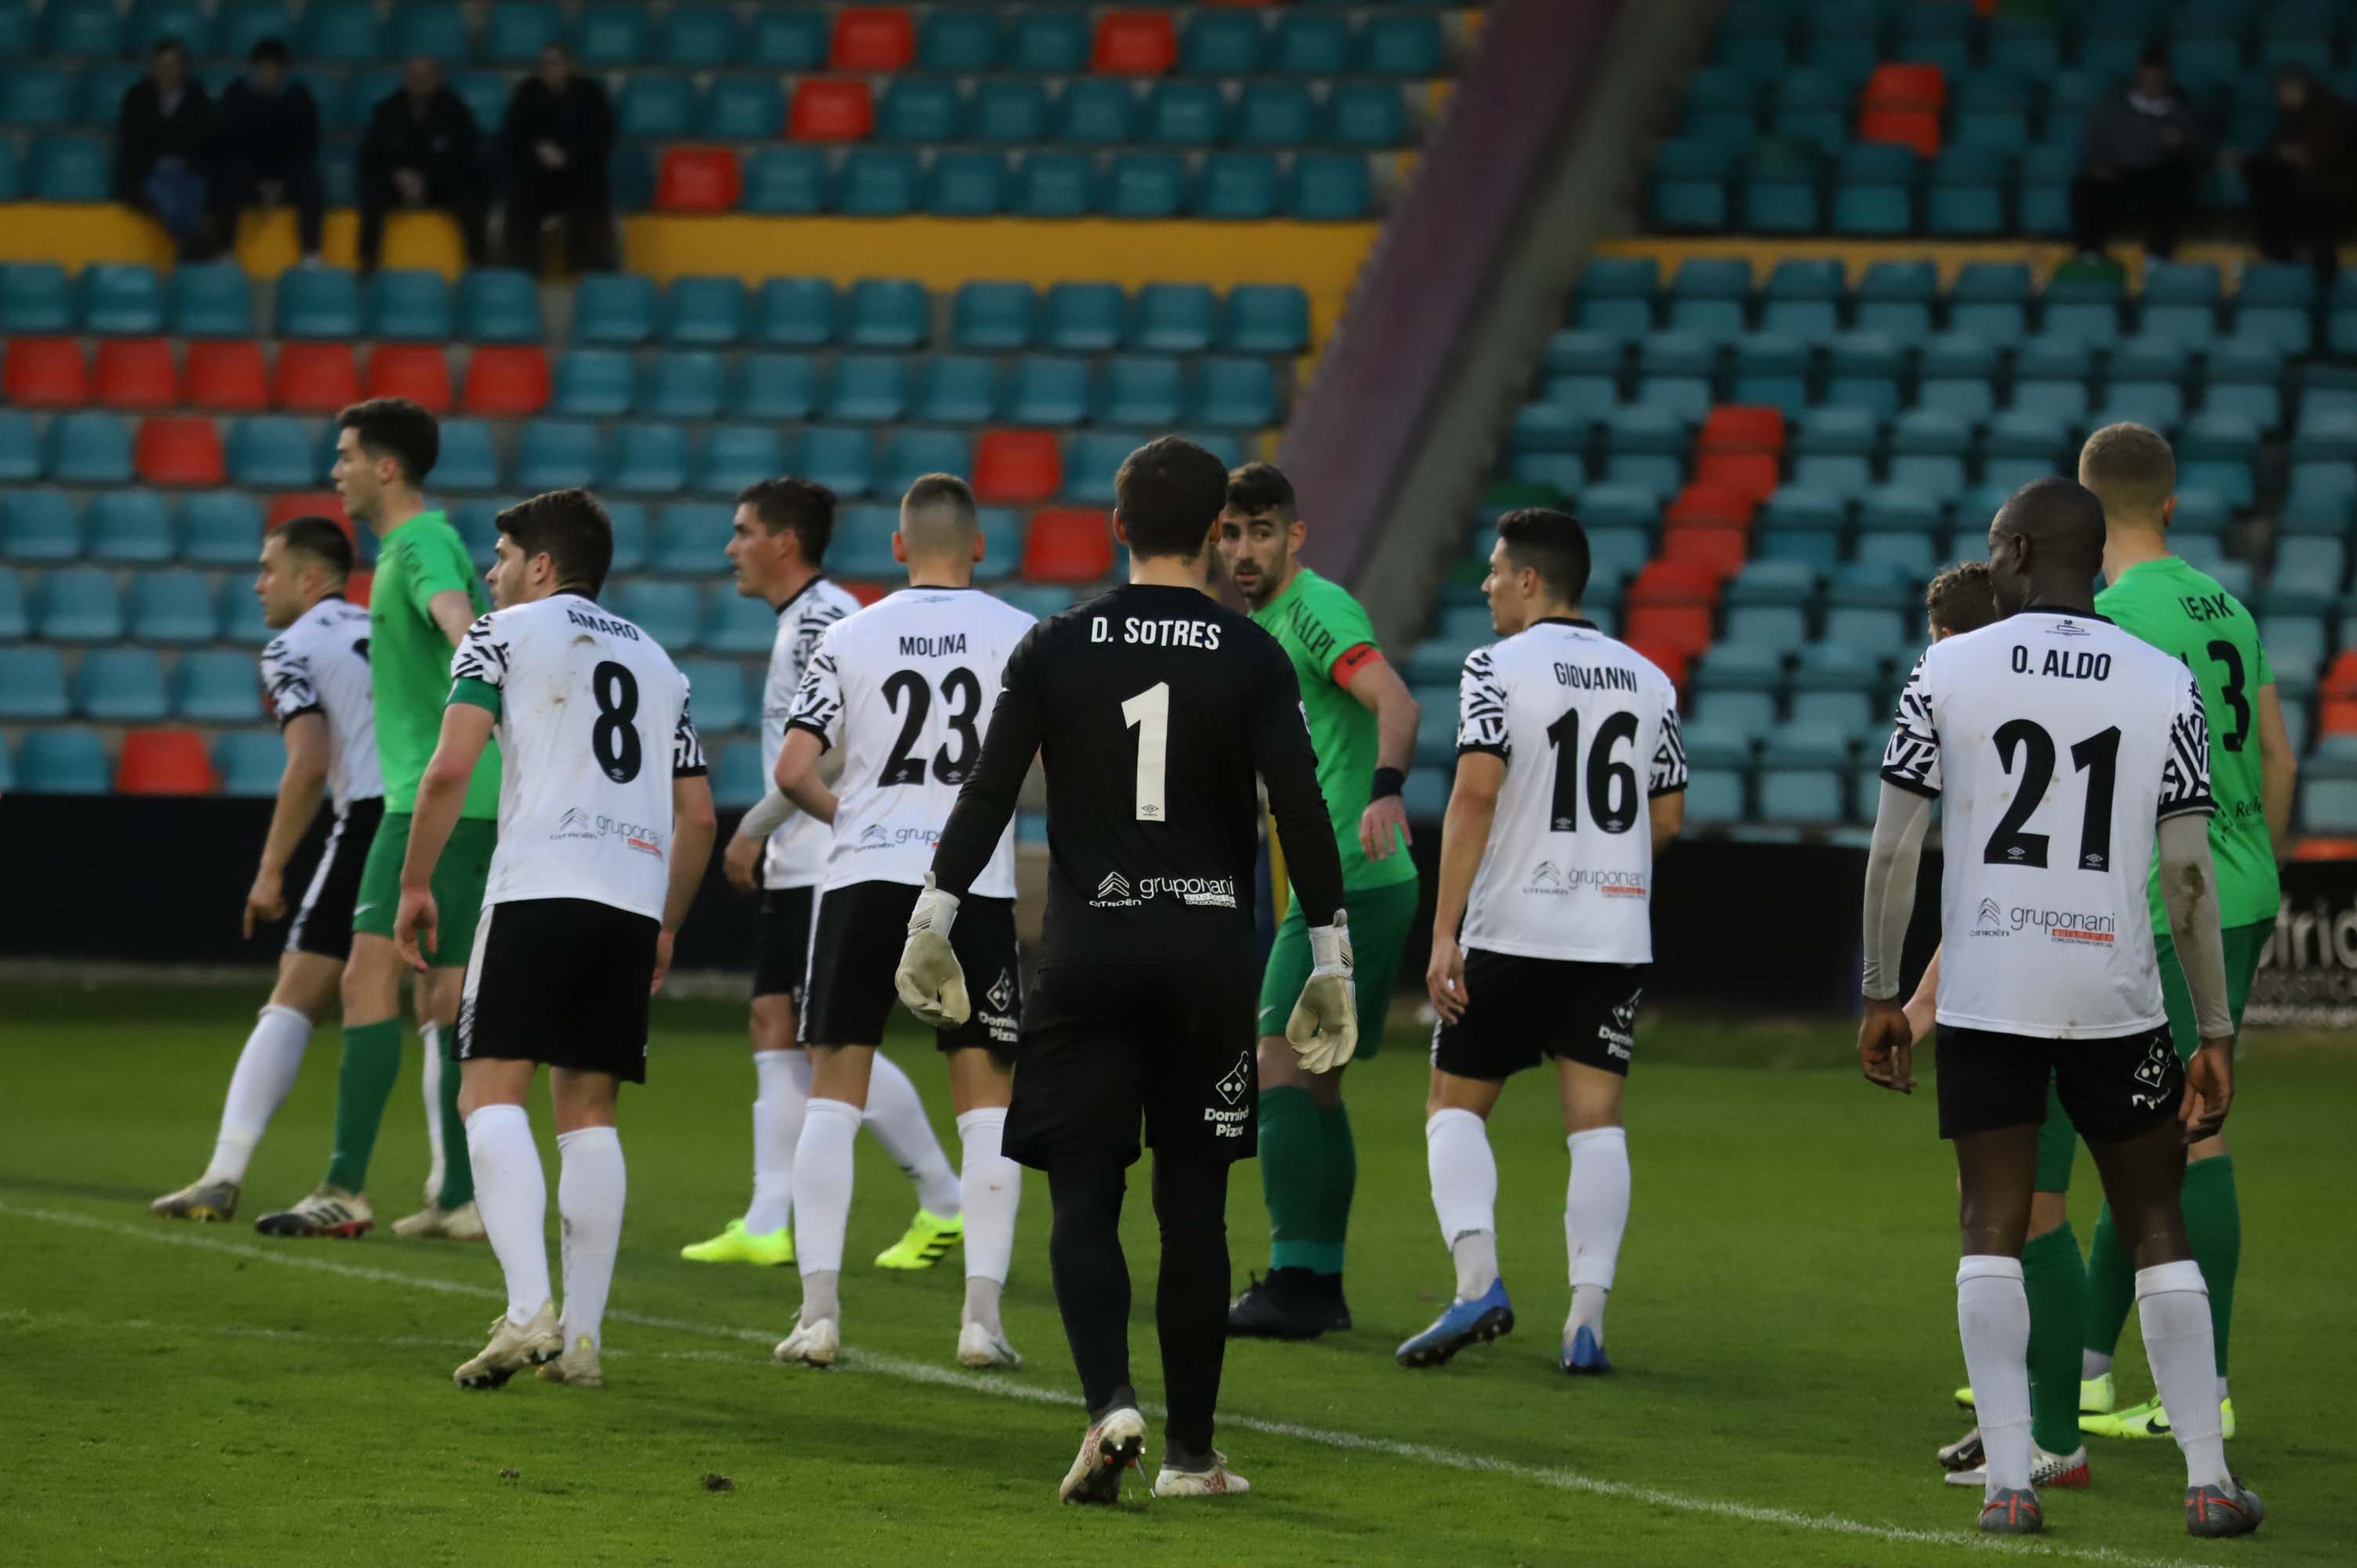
1148	714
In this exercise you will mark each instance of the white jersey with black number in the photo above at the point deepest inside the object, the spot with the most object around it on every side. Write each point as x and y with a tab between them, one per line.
594	724
1589	730
797	854
905	688
319	665
2058	742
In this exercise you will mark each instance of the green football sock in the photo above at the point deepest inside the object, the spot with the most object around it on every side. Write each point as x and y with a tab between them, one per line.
457	1171
1342	1181
2213	1225
2056	1280
372	1061
2111	1286
1292	1175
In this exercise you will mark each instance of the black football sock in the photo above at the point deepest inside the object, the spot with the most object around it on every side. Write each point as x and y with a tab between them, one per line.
1190	1300
1092	1280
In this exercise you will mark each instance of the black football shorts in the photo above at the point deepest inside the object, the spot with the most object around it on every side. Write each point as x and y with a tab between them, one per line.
1519	1010
2112	1090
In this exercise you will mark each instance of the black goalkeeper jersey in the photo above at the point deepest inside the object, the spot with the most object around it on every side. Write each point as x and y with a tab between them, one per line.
1152	709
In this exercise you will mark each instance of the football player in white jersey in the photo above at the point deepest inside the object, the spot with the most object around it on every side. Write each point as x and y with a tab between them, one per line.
605	824
778	548
314	674
2065	750
1570	775
904	689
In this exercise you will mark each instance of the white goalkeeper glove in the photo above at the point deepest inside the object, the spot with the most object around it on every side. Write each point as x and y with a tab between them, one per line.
929	980
1324	1028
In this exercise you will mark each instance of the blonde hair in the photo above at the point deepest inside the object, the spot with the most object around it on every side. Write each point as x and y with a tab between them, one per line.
2130	468
1960	598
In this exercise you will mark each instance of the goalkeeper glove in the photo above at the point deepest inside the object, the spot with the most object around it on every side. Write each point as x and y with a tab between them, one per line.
1324	1028
929	980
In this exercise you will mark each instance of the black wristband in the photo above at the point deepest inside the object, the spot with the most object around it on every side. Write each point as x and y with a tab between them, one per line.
1388	782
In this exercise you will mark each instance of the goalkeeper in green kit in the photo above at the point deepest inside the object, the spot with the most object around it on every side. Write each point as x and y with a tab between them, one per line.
1362	724
2159	598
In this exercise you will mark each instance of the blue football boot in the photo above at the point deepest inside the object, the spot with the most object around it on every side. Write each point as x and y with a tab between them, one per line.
1465	1323
1583	1356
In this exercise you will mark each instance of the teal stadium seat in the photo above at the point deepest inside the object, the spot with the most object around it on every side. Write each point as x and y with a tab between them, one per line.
69	168
738	777
15	623
868	389
1145	185
277	452
1221	44
1688	193
1771	368
122	299
1139	390
434	29
649	460
1330	188
408	305
499	305
841	457
957	389
172	607
77	604
957	43
1237	393
716	697
698	37
515	31
1307	43
38	298
861	546
40	525
250	763
220	528
592	384
733	624
62	762
1047	389
1091	459
1012	112
655	108
1965	192
1274	114
780	387
1184	113
1055	184
20	455
321	303
152	21
731	456
1046	43
1266	318
1862	372
888	313
344	32
122	686
1096	111
681	383
87	448
966	185
1237	186
777	39
210	686
615	307
130	528
877	182
794	313
557	454
1394	44
38	100
986	315
919	109
692	537
469	459
668	612
85	29
613	36
32	684
704	311
785	181
240	614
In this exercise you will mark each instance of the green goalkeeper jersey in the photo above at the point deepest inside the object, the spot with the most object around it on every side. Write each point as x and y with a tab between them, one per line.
2185	614
409	658
1329	637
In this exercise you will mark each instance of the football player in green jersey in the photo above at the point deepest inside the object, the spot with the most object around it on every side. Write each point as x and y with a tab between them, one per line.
425	597
1362	723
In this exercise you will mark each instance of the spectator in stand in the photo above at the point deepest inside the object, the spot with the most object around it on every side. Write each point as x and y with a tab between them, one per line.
559	134
163	137
422	149
2145	152
2304	184
269	149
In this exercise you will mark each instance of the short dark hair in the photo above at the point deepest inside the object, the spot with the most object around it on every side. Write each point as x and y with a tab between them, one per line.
320	539
271	50
1259	488
1169	493
808	509
2063	519
397	428
170	44
1959	599
1551	543
569	527
940	489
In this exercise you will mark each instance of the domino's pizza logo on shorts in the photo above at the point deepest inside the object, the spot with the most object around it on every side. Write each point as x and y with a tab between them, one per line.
1231	1085
2152	1074
1620	1032
998	1010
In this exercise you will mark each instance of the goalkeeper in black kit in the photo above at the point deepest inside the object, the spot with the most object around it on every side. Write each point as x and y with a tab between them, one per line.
1153	708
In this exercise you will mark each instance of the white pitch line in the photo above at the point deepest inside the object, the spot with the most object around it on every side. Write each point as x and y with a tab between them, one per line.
878	1364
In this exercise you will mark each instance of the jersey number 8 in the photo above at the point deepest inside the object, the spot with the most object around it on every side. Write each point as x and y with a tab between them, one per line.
614	739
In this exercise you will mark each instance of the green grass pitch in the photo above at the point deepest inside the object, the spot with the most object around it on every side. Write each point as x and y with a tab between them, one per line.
1785	1330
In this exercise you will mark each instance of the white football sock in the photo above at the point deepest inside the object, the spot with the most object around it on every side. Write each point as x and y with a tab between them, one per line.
591	1183
1595	1217
264	1073
2093	1364
512	1196
1465	1196
991	1186
898	1119
1993	1320
2173	1305
822	1175
430	1080
2222	1395
785	1078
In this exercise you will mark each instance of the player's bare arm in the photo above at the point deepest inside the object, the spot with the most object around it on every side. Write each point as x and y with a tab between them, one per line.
741	861
1667	816
1377	687
454	612
798	779
301	783
1923	1008
2278	770
693	826
2188	889
1464	835
441	795
1886	1041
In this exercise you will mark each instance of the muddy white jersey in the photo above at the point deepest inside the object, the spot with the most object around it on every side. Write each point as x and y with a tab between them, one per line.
319	665
1589	730
593	722
2056	743
905	688
797	852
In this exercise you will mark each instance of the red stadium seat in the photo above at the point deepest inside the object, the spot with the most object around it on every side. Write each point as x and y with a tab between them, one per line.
1903	84
1714	546
1135	43
1684	628
228	377
511	380
1672	659
1063	546
1675	583
1710	506
826	111
418	371
866	593
1742	427
357	586
873	38
1916	128
137	372
2337	714
699	179
184	449
309	503
1755	473
1018	466
164	762
45	372
315	378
